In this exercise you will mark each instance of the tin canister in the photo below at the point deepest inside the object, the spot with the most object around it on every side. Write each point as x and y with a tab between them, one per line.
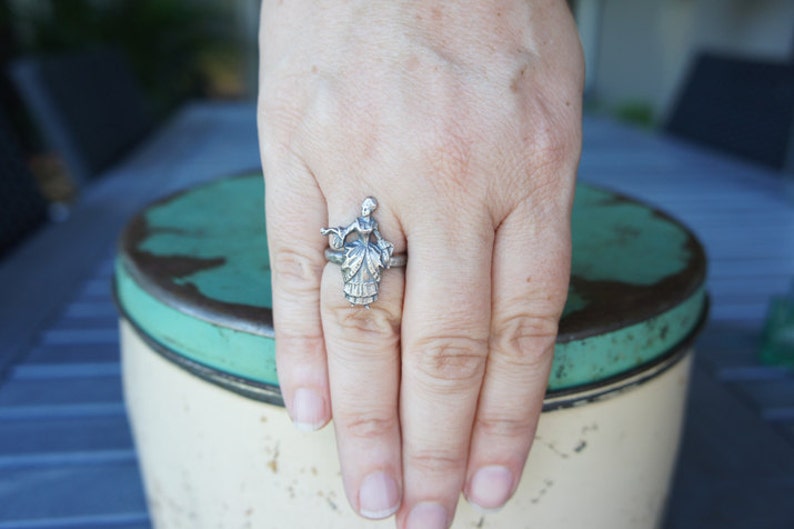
215	444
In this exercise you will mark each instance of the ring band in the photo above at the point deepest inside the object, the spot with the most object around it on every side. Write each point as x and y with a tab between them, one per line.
338	257
364	257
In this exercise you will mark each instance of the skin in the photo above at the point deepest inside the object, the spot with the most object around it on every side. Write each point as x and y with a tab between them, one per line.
464	120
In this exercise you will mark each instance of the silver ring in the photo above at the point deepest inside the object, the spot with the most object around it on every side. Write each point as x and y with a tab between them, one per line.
363	257
338	257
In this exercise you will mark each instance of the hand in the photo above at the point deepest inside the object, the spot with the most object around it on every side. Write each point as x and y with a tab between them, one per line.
464	122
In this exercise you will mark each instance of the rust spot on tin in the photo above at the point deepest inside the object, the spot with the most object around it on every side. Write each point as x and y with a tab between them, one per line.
161	266
560	371
175	266
547	484
612	305
162	274
552	447
273	463
590	428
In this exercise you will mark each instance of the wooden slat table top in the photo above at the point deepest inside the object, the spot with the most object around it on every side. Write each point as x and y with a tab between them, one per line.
66	456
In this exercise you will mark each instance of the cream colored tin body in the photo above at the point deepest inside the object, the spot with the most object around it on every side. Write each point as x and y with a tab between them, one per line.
213	459
193	287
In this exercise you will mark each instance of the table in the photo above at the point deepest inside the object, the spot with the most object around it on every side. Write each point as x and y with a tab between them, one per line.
66	455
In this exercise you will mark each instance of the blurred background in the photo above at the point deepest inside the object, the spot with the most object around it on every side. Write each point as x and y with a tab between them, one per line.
176	50
639	53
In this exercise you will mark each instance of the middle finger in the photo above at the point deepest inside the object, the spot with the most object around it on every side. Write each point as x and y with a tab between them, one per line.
445	344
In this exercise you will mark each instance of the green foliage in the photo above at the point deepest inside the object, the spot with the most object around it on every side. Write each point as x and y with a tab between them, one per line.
636	113
164	40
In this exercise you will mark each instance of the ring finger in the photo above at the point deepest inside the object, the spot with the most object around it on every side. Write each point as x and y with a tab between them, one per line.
363	347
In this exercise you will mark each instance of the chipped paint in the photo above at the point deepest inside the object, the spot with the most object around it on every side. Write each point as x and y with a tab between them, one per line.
194	276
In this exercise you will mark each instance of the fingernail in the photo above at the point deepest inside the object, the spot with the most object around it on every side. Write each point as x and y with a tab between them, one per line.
379	496
490	488
427	516
308	410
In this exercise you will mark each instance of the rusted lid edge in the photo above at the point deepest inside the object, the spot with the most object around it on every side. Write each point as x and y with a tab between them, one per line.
616	385
239	353
245	362
607	355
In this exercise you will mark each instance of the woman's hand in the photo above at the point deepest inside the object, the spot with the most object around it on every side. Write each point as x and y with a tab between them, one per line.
463	120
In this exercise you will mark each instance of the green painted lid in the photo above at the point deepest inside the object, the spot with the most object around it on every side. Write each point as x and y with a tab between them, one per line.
193	276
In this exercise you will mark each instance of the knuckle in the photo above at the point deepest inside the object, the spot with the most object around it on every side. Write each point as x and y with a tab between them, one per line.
366	425
299	342
505	426
437	462
296	271
451	153
378	324
551	146
524	340
555	139
451	359
278	118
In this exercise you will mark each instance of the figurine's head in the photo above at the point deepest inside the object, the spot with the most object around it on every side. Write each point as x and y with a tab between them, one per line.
368	206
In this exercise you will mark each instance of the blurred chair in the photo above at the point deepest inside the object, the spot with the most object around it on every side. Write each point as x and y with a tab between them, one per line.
22	207
87	105
741	106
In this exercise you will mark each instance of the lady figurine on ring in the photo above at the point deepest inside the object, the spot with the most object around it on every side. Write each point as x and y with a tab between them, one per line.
363	259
